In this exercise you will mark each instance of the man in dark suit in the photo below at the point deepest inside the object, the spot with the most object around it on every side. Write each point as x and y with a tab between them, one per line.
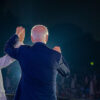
39	65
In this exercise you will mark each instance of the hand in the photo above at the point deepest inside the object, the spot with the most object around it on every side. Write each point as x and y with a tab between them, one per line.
20	31
57	48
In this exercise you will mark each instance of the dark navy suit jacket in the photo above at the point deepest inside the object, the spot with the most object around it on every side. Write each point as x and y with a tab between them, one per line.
39	65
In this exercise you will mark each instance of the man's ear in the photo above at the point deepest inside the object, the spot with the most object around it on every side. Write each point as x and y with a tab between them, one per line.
32	39
46	38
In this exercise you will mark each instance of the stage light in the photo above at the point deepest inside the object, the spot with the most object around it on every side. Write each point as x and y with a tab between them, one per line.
92	63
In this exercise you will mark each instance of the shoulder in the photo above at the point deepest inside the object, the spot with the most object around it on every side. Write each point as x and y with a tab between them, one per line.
55	53
24	47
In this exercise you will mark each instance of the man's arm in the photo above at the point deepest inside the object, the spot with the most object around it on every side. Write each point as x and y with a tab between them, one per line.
7	60
9	48
63	68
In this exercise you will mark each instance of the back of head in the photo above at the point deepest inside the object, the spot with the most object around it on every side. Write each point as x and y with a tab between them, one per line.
39	33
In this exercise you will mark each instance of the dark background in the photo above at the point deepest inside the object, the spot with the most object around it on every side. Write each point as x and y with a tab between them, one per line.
74	26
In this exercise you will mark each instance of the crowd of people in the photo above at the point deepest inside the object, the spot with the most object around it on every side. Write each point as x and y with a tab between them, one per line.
87	87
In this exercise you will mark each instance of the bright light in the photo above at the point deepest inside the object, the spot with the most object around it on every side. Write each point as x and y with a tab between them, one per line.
92	63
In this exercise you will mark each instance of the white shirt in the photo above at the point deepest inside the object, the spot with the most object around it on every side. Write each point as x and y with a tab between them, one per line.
4	62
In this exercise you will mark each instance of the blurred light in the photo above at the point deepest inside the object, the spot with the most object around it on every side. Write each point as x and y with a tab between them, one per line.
92	63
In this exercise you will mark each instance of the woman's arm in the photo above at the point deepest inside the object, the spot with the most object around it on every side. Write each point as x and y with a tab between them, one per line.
5	61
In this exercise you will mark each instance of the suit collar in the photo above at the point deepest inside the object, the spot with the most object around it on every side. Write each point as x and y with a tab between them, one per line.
39	43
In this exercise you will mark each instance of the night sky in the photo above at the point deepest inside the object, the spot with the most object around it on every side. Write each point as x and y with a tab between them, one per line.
74	26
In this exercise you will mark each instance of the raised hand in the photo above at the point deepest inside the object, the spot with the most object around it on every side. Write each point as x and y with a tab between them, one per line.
57	48
20	31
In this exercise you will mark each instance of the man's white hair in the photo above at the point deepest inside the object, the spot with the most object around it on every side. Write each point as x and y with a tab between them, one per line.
39	32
